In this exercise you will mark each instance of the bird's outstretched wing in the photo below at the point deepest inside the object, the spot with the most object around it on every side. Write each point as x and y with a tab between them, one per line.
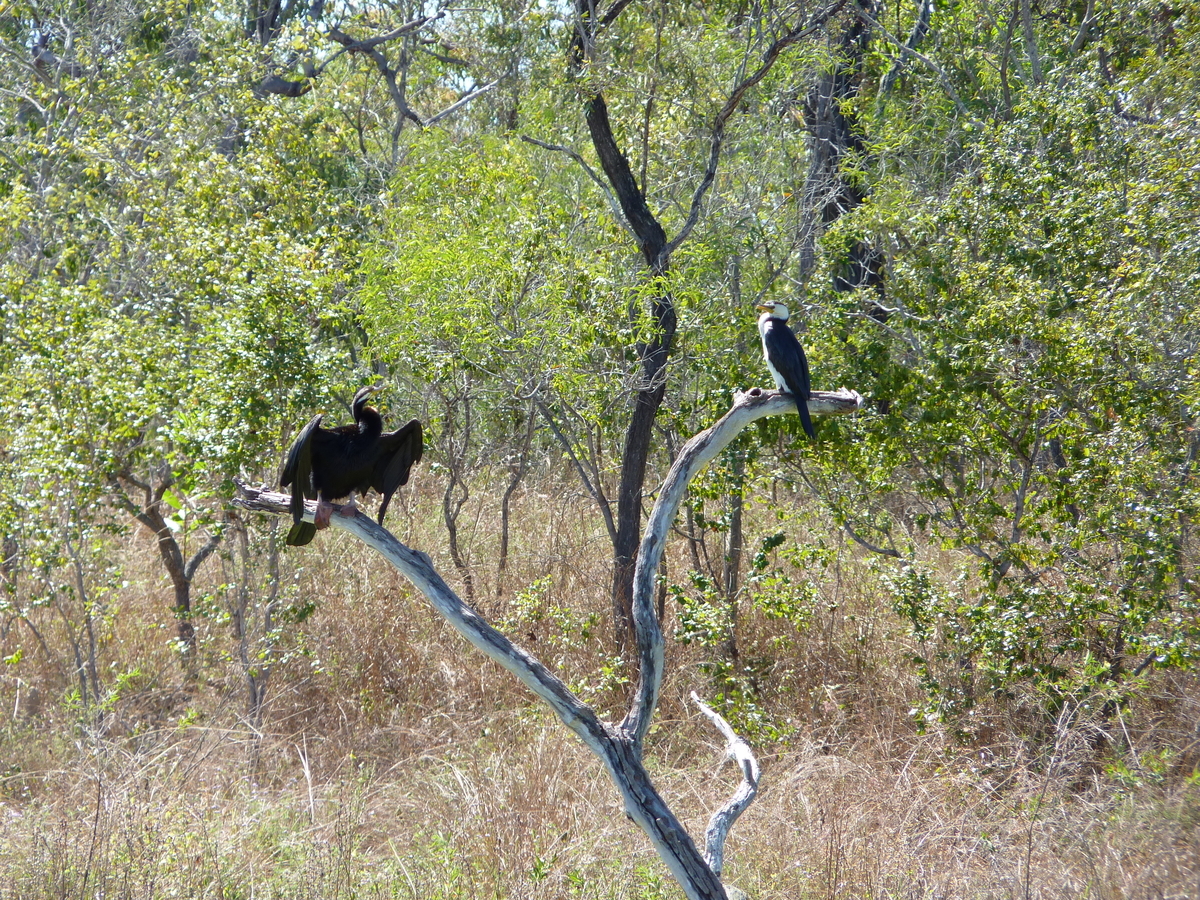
297	472
398	451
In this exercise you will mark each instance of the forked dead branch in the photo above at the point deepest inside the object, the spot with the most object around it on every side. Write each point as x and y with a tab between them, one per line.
619	746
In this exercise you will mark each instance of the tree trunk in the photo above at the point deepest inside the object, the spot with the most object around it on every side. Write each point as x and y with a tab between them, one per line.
652	358
180	572
455	448
172	560
516	473
629	506
590	20
733	554
829	194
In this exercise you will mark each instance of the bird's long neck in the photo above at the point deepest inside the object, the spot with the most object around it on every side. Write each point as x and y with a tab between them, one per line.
369	422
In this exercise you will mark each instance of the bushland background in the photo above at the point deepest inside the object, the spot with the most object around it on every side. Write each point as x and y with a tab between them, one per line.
959	629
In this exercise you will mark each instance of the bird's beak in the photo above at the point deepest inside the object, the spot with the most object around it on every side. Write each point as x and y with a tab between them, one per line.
376	388
765	307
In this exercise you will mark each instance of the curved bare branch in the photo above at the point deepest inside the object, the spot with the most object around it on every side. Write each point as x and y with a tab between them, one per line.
619	748
722	820
620	756
694	455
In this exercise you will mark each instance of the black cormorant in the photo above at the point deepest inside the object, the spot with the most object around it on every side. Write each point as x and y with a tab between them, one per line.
785	359
328	464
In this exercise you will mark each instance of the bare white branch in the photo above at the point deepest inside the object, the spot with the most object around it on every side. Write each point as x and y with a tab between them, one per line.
695	454
449	110
722	820
621	758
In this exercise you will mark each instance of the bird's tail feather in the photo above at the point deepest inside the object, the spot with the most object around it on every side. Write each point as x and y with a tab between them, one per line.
301	534
805	418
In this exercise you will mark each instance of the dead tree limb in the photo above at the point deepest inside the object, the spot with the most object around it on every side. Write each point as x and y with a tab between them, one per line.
619	747
694	455
722	820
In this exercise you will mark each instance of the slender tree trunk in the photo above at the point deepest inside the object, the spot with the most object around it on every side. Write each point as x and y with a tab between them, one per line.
652	358
255	640
180	572
733	553
833	133
172	560
629	506
457	492
1031	47
516	474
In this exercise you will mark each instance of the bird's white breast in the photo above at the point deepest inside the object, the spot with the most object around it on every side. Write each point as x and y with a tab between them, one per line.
764	322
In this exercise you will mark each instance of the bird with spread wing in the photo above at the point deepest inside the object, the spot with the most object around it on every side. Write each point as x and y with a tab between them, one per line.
327	464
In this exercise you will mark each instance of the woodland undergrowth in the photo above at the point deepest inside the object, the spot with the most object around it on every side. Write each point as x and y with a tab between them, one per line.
393	761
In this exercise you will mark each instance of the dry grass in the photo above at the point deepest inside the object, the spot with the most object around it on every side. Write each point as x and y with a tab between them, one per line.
394	762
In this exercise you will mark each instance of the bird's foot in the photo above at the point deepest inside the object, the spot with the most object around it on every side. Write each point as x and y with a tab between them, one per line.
321	518
349	509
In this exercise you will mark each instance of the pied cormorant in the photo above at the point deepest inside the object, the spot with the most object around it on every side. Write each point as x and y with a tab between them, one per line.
785	359
327	464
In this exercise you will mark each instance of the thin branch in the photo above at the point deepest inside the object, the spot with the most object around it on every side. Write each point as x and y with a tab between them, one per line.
350	45
919	30
276	84
591	173
197	560
867	545
461	103
583	42
735	98
912	51
851	533
613	11
722	820
595	490
1085	25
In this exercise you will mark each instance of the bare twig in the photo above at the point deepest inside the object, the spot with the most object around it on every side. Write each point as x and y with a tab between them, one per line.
453	107
596	489
722	820
590	172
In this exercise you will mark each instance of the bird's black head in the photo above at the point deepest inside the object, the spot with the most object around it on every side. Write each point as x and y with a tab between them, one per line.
359	405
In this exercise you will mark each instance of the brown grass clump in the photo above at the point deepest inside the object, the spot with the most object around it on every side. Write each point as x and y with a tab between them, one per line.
393	761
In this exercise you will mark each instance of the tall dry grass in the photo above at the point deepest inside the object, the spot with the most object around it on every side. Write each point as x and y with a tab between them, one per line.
394	761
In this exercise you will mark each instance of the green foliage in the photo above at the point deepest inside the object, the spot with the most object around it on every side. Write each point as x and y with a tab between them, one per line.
190	268
707	618
563	628
472	271
1035	395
